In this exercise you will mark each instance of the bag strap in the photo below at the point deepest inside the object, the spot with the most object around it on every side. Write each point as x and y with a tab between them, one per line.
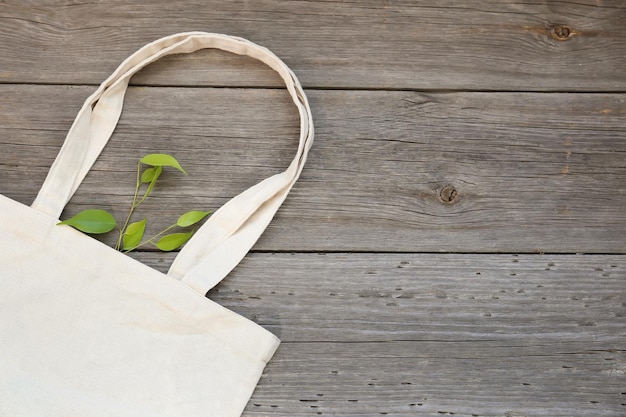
226	237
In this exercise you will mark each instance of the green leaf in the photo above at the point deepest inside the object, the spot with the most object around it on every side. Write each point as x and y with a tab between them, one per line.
149	174
174	241
162	160
134	234
155	176
191	217
92	221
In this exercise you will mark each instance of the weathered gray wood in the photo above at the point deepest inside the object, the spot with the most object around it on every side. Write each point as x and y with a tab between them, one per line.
364	334
470	44
525	172
431	335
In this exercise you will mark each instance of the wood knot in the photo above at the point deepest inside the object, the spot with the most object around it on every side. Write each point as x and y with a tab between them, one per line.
448	194
561	32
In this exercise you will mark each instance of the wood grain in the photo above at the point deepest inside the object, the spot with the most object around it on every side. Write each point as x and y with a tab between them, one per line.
526	172
471	127
432	335
467	45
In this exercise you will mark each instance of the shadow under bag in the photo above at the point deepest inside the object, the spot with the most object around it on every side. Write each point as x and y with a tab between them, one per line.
86	331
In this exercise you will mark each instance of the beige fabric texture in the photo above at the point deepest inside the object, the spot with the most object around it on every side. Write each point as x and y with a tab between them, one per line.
87	331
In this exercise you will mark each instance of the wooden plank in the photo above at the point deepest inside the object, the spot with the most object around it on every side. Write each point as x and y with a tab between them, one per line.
472	44
531	172
423	334
392	171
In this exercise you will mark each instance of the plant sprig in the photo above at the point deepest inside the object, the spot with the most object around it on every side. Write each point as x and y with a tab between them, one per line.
131	235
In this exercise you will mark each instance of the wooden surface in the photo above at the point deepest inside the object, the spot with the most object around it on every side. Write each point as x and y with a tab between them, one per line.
425	334
467	44
492	131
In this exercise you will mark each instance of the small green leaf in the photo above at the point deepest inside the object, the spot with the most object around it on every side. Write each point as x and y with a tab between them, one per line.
92	221
134	234
155	177
174	241
191	217
162	160
149	174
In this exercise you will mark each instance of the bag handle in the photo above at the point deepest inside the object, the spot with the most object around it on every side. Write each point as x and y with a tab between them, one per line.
226	237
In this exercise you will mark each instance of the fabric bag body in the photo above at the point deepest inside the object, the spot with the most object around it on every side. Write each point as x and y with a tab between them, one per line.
87	331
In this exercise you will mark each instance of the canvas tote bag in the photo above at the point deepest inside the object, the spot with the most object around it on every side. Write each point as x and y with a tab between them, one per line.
86	331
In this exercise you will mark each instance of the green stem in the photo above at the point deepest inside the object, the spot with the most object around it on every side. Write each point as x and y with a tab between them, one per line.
151	240
145	195
133	206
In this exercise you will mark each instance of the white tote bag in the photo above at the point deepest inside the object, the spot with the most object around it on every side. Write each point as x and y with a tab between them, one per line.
86	331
